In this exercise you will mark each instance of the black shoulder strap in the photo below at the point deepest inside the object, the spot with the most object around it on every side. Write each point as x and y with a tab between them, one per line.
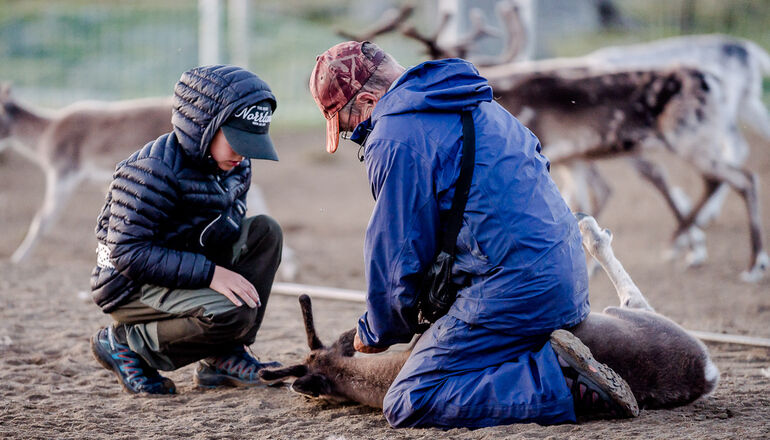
463	186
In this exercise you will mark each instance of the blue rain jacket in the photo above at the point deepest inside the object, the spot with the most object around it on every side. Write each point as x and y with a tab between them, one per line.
519	257
519	254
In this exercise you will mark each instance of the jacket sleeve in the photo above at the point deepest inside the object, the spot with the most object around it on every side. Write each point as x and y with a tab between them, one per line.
400	242
144	194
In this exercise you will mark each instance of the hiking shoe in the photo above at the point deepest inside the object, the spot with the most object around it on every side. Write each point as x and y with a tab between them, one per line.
133	372
237	369
597	391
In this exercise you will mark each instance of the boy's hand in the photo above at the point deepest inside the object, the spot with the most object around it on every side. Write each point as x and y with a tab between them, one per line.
361	348
233	286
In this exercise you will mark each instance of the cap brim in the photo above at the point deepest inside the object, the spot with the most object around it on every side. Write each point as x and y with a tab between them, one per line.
251	145
332	133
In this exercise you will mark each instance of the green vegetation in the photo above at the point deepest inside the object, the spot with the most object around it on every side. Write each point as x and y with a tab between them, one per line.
56	52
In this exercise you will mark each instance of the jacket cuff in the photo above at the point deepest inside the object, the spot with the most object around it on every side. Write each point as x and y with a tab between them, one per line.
210	274
370	339
363	332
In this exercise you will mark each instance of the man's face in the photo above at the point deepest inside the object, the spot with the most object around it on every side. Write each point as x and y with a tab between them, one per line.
222	153
361	110
347	119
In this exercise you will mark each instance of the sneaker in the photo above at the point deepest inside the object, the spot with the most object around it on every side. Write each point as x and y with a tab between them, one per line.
597	391
237	369
133	372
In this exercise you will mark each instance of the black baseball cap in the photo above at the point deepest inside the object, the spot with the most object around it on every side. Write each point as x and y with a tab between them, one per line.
246	131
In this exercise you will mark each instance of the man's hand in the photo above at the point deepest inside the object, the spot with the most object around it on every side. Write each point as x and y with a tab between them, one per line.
360	347
234	286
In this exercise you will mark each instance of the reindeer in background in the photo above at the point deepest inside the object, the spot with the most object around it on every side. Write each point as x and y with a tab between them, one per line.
83	142
574	107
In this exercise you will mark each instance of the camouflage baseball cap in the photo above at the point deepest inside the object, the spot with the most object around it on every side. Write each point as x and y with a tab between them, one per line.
339	74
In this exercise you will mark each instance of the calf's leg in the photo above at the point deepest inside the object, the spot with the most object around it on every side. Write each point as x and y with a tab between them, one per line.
664	365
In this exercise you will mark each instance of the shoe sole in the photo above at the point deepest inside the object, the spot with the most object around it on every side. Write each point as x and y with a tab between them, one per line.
579	357
109	366
218	380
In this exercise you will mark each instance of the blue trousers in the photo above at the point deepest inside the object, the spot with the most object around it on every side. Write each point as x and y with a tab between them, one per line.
460	375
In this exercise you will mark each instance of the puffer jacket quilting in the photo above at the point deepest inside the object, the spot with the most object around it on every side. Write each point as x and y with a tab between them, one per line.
163	195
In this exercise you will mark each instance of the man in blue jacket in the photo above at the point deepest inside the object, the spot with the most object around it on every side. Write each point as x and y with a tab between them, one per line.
184	274
519	266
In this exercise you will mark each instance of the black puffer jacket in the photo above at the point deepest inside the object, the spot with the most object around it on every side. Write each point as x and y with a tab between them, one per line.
164	195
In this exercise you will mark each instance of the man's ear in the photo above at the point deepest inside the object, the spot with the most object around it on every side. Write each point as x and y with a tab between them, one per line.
365	102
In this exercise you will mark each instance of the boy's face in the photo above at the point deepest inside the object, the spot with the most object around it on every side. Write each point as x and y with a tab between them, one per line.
222	153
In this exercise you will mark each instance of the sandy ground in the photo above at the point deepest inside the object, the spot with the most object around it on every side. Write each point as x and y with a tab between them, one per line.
51	387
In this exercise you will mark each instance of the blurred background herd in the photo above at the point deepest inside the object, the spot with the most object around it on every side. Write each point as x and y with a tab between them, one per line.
55	52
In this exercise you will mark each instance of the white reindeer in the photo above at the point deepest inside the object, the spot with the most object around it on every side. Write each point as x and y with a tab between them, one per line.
738	64
663	364
83	142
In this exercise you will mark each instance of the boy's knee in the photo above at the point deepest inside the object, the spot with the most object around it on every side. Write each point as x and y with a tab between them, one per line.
265	231
235	324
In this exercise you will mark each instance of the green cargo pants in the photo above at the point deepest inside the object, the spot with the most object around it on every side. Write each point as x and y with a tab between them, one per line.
171	328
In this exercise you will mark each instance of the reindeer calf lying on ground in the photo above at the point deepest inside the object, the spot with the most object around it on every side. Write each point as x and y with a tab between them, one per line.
664	365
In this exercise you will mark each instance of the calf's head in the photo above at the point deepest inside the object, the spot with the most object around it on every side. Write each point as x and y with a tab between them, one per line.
313	374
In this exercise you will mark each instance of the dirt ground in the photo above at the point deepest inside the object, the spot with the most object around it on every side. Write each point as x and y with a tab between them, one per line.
51	387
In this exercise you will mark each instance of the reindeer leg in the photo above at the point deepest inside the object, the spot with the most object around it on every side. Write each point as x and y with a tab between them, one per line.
597	243
277	375
574	189
600	189
735	151
692	237
575	176
746	184
656	175
59	188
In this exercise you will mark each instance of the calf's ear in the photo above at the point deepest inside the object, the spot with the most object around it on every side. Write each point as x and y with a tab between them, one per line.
313	385
344	344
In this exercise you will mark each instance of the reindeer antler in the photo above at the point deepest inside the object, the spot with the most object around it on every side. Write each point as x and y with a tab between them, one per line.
389	22
479	29
433	50
515	33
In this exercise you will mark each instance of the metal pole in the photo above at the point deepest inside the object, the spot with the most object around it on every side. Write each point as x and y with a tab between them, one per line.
238	31
208	31
319	292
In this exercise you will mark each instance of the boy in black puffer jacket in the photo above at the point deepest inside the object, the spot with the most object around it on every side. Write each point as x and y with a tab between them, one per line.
184	274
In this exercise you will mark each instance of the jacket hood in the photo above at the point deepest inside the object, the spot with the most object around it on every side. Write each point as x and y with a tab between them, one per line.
205	97
449	85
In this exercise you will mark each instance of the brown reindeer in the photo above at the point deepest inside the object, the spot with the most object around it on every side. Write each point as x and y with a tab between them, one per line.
582	109
84	141
80	142
664	365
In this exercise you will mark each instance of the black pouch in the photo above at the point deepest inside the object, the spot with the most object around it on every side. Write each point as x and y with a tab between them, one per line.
437	292
224	229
